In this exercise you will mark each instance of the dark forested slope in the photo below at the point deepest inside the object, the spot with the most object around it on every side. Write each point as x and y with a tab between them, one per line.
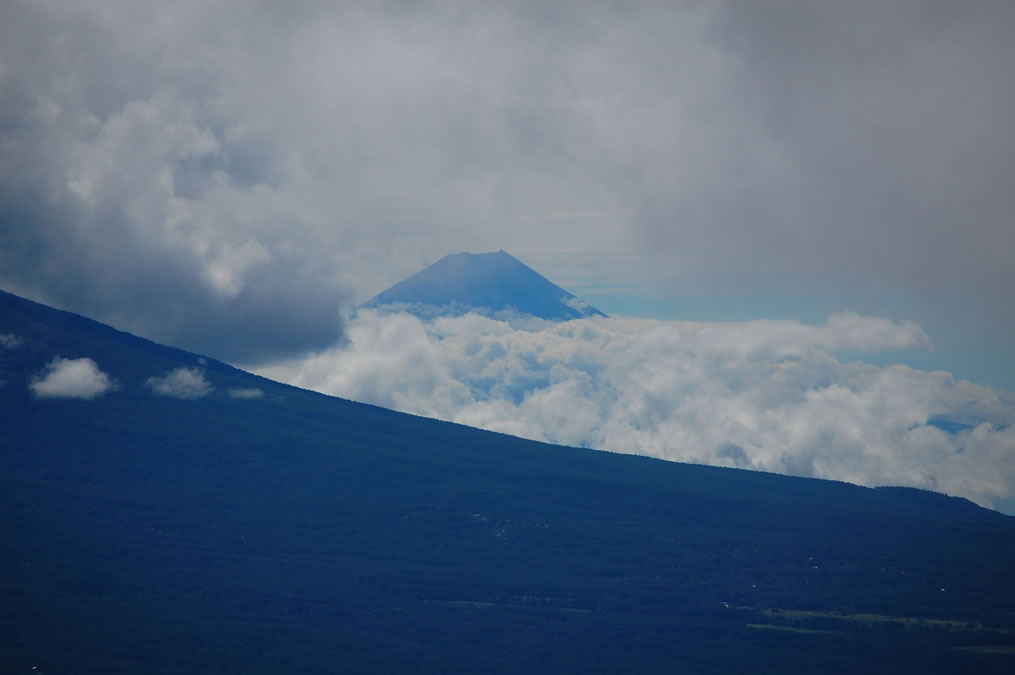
288	531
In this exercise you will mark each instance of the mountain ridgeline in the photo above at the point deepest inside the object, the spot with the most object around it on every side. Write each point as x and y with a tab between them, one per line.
165	513
496	285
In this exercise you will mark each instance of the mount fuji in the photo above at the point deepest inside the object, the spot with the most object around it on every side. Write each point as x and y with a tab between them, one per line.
495	285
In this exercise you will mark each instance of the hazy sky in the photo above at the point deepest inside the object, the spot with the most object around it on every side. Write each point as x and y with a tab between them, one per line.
226	175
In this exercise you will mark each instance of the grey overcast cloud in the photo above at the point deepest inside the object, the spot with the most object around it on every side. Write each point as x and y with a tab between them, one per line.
234	177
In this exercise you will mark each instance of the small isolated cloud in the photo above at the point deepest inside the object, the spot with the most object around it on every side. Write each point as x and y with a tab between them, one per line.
245	392
10	341
181	383
71	378
766	395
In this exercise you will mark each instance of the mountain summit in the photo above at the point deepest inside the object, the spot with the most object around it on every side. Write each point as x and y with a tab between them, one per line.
492	284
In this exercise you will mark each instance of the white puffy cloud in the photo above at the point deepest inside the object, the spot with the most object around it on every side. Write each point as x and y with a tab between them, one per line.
246	392
767	395
10	341
71	378
181	383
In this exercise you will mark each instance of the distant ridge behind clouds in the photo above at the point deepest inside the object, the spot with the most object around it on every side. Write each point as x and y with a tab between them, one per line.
496	285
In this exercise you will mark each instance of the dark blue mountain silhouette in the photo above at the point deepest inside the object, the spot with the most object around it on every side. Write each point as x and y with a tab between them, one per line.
261	528
492	284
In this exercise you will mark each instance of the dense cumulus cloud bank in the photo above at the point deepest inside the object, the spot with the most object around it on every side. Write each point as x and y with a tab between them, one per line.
764	395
